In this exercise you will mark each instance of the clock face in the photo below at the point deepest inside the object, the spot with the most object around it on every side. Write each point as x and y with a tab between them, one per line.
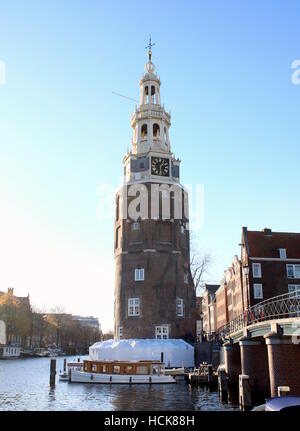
159	166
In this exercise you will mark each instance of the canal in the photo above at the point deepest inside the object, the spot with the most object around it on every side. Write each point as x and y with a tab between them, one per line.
24	385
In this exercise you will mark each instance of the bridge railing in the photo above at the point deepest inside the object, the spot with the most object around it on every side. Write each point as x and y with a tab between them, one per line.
277	307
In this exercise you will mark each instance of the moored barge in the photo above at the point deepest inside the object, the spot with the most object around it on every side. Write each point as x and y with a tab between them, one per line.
120	372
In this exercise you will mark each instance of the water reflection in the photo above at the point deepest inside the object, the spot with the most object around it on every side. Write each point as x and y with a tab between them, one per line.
24	385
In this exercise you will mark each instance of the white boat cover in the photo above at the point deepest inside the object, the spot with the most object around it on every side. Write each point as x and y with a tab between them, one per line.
176	353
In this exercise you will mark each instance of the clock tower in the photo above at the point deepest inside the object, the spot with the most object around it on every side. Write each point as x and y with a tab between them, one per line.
154	290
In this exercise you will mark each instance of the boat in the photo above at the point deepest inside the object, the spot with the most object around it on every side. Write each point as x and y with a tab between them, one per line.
119	372
64	377
176	372
276	404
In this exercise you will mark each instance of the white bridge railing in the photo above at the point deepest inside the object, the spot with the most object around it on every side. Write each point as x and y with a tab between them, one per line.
279	307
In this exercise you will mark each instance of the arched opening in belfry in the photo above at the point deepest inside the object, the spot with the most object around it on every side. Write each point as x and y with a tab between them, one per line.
144	131
153	95
165	136
156	130
146	95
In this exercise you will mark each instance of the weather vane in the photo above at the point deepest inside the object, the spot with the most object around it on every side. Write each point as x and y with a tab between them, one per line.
149	46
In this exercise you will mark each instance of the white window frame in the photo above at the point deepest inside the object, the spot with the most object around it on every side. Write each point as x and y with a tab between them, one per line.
255	287
162	332
179	307
134	305
139	274
294	288
258	267
120	333
282	253
295	269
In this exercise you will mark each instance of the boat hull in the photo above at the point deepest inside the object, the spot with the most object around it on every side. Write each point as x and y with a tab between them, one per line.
77	376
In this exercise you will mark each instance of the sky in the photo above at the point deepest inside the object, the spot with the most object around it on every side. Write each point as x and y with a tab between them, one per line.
226	69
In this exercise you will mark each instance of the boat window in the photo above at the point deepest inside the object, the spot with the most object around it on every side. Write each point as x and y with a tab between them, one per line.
104	369
129	369
141	369
116	369
156	369
94	368
85	367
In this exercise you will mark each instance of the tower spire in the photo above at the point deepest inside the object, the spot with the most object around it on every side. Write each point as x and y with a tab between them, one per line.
149	46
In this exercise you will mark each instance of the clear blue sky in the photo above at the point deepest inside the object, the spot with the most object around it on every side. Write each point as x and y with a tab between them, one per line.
226	72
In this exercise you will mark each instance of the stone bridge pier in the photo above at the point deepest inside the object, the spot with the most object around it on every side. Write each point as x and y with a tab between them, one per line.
269	360
254	363
283	362
232	360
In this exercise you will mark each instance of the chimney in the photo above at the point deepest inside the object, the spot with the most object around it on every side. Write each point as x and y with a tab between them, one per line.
267	231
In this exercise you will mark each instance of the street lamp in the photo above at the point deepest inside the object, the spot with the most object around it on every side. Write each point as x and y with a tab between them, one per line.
246	274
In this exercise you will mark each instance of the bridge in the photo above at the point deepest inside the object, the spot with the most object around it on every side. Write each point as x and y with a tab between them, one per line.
263	342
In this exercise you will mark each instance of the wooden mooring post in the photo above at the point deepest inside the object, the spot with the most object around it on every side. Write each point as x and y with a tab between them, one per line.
222	384
283	391
52	372
244	392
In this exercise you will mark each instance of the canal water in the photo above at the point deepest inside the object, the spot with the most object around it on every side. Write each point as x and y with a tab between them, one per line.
24	385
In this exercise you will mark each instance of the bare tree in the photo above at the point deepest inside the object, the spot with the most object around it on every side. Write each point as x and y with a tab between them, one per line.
200	261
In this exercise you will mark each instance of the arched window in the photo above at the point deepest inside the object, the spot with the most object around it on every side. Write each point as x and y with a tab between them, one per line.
144	131
156	130
146	96
153	95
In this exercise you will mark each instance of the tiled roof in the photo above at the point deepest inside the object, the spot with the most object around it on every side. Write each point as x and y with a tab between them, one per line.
261	244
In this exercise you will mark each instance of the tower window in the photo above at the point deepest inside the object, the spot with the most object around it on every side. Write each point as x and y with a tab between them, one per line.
139	274
186	278
182	229
153	95
133	306
156	130
144	131
135	226
146	96
120	333
179	307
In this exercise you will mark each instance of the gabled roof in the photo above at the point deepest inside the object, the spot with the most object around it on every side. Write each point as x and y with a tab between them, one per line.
267	243
211	288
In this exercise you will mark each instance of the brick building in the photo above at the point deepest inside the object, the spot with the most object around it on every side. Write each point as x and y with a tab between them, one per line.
272	260
199	317
269	266
154	291
209	308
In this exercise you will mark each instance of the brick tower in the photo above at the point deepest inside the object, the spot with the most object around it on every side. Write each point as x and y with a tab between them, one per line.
154	290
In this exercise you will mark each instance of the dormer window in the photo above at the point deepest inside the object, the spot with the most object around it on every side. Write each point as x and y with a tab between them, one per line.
282	253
